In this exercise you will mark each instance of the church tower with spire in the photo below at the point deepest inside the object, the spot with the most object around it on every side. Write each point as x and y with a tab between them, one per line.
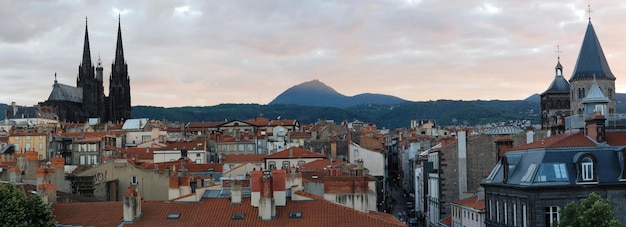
591	65
555	103
93	90
119	83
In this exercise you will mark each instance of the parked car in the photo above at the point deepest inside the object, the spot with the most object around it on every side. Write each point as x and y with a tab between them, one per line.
410	205
412	222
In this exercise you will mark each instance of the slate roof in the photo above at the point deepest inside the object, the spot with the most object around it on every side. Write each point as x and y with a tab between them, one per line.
62	92
548	162
559	85
29	112
595	95
591	60
218	212
504	130
139	123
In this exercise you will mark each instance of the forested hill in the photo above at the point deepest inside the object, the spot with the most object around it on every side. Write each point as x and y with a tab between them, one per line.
444	112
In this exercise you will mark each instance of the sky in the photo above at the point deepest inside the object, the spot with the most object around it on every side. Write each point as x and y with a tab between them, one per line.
205	53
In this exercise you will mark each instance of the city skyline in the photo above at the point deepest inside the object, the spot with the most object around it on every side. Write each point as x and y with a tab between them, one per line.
196	53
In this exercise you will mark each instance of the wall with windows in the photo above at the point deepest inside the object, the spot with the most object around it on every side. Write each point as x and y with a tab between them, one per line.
197	156
31	142
288	162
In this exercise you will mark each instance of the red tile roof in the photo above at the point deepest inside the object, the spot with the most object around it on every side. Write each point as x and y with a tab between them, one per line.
258	121
89	214
471	202
321	164
296	152
243	158
616	138
190	165
295	135
139	153
447	221
561	140
197	144
218	212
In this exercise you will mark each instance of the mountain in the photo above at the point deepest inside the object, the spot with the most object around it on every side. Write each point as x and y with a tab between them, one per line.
316	93
534	98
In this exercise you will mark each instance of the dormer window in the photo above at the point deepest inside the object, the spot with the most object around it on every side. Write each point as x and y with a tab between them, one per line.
586	164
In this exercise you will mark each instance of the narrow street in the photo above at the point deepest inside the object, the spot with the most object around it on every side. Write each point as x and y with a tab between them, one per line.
398	202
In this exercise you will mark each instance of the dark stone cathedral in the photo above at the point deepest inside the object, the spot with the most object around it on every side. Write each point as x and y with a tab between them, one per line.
87	99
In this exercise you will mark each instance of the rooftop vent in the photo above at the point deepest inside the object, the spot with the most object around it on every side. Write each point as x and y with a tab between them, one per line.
237	216
173	216
295	214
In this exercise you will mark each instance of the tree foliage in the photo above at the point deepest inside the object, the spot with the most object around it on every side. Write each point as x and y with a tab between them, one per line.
16	209
592	211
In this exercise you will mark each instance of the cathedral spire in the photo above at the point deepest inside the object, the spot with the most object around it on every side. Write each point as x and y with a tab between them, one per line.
86	50
119	51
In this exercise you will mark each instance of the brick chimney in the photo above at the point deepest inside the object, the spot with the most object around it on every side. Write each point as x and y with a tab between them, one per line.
255	187
503	143
267	204
279	187
132	204
595	127
333	149
235	192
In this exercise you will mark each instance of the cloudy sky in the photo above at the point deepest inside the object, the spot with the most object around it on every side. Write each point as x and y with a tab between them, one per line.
203	53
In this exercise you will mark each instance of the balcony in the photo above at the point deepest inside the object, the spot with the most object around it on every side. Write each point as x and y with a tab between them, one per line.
612	121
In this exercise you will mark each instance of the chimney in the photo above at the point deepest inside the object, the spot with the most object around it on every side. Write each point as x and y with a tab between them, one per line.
359	168
49	191
255	187
333	149
14	107
290	152
267	205
235	192
279	186
15	174
595	127
132	204
32	164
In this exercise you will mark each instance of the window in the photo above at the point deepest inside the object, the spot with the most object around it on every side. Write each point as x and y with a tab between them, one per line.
82	160
27	137
271	165
286	164
40	137
134	180
529	174
301	162
524	210
551	215
27	147
587	169
552	172
40	146
231	166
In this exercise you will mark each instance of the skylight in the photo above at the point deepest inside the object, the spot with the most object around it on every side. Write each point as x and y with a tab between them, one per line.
173	216
237	216
529	174
552	172
295	214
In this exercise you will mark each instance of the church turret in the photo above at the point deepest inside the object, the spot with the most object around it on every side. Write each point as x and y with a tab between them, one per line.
555	104
99	70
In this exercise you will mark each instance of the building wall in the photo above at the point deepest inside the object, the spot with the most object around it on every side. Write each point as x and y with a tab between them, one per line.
197	156
30	142
481	157
372	160
292	161
534	201
151	184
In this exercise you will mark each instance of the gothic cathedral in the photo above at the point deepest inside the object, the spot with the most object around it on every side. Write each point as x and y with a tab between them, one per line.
87	99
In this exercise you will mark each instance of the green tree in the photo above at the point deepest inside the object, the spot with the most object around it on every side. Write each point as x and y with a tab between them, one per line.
16	209
592	211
